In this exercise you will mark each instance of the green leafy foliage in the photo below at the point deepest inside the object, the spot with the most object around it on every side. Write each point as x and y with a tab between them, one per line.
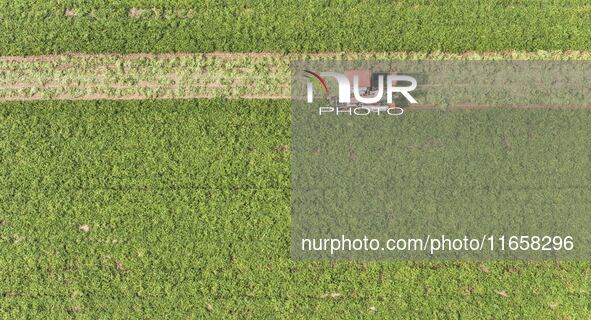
41	27
181	209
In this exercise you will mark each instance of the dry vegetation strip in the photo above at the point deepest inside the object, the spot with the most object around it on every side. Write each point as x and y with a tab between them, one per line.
78	76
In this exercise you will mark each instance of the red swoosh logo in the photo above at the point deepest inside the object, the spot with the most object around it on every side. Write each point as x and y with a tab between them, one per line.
319	79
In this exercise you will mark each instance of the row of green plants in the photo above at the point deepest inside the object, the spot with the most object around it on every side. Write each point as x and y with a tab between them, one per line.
36	27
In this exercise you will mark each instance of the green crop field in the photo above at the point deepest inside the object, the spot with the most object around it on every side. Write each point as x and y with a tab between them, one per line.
40	27
180	208
145	159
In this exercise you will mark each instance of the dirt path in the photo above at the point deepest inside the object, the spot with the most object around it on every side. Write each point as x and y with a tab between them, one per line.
264	75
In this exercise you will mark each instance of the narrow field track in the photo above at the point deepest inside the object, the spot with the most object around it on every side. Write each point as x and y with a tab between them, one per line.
78	76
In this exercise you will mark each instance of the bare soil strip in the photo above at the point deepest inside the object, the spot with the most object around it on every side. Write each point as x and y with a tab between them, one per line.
251	75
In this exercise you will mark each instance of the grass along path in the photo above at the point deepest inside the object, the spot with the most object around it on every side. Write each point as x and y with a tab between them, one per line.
78	76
